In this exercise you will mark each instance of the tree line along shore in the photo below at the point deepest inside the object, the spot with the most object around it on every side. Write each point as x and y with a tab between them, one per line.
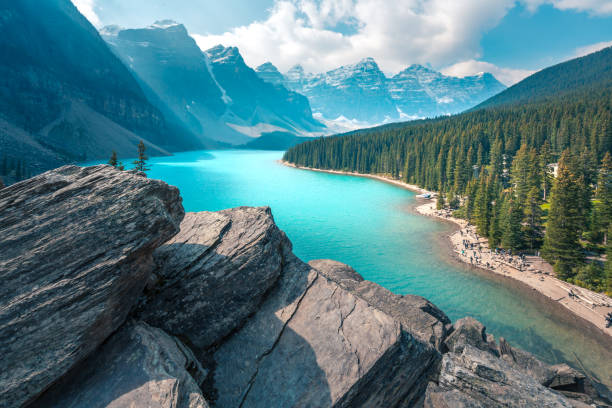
533	178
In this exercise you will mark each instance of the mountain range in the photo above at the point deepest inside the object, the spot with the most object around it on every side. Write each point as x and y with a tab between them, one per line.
363	93
69	93
214	93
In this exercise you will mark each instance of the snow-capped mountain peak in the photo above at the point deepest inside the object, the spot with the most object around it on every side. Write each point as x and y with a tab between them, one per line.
220	54
362	92
164	24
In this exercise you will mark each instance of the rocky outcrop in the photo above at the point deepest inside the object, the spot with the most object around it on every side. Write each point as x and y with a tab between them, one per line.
215	273
493	382
232	273
112	311
139	367
318	341
476	372
76	247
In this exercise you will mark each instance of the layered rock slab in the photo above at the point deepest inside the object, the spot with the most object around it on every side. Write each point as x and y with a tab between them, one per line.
76	249
139	367
318	341
475	372
215	273
493	382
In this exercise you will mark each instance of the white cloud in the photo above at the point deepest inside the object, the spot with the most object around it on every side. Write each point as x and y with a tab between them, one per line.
588	49
594	7
507	76
395	33
87	8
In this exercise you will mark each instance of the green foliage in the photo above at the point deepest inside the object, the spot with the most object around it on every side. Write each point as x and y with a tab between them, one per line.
567	217
498	162
603	211
532	228
608	265
113	159
440	202
512	235
140	164
591	275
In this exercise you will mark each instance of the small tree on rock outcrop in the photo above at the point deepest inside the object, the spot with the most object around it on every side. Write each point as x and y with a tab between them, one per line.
141	162
113	160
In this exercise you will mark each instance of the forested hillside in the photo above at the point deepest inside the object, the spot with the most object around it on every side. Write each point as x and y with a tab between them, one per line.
534	176
591	72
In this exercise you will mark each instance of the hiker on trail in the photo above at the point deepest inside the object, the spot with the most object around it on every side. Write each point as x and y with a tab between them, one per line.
608	320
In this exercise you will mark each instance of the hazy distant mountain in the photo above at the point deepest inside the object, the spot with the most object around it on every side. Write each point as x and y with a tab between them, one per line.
213	93
256	102
275	141
64	96
362	92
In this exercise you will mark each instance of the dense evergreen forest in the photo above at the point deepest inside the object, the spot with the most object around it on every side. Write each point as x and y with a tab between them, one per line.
533	176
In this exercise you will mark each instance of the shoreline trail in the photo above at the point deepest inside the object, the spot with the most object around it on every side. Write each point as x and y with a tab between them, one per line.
532	271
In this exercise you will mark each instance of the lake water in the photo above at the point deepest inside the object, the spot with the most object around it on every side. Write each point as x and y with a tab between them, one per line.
370	225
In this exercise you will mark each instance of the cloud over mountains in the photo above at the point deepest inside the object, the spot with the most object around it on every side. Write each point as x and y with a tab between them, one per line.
323	34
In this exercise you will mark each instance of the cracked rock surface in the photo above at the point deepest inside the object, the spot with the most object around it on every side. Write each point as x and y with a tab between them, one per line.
76	247
112	309
139	367
215	273
315	342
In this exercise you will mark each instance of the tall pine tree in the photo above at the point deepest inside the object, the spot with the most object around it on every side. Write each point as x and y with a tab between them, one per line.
565	219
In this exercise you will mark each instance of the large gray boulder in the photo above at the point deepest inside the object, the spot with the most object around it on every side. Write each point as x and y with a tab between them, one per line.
470	331
76	249
139	367
215	273
325	337
493	382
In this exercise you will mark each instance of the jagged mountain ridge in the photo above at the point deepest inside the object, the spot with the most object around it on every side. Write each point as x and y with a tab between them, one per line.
214	93
364	93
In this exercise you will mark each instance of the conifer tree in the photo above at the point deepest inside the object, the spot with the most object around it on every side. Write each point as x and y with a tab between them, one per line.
113	159
544	161
470	200
141	162
520	174
497	158
482	207
533	219
604	195
440	202
565	219
512	236
495	229
608	265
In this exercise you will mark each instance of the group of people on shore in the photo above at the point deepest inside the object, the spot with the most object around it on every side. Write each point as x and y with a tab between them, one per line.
473	249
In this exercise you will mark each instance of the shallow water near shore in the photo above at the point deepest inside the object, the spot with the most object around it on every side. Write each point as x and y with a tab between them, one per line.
369	225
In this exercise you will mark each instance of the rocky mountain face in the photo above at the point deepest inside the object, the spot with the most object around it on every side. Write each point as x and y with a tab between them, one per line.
214	93
363	93
64	96
116	305
172	71
257	103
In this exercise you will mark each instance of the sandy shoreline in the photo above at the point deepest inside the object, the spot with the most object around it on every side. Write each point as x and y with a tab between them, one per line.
534	272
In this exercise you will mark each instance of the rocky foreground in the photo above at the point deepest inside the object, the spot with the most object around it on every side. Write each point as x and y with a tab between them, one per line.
112	297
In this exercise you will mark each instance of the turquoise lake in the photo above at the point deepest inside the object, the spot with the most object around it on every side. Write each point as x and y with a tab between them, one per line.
371	226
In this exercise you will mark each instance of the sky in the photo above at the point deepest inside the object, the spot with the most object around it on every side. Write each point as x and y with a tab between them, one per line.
509	38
